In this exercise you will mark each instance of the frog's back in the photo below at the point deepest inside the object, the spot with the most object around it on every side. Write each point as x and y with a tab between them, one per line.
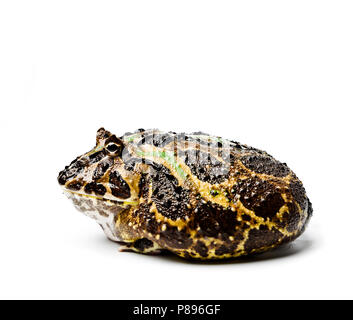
206	197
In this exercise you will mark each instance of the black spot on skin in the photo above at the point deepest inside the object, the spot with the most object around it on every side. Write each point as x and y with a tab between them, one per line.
75	185
100	190
270	206
213	221
97	188
158	140
262	238
171	199
265	165
246	217
206	167
97	156
174	238
71	171
118	186
89	187
201	249
230	246
142	244
259	196
62	178
102	168
223	250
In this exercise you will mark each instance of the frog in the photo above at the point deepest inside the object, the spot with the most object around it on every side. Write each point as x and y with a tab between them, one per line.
198	196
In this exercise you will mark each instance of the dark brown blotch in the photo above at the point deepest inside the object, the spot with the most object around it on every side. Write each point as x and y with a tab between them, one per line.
97	188
148	222
223	250
261	238
102	168
206	167
214	221
201	249
171	199
142	244
75	185
265	165
230	246
97	156
174	238
119	186
246	217
260	196
158	140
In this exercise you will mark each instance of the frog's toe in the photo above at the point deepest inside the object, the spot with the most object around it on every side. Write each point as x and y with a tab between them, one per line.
142	245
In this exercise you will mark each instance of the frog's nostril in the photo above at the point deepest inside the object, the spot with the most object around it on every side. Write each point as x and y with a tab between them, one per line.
62	178
72	170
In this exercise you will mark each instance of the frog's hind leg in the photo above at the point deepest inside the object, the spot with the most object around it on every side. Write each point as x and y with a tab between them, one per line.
142	245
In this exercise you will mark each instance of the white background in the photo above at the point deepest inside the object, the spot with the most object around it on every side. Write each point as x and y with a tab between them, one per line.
277	75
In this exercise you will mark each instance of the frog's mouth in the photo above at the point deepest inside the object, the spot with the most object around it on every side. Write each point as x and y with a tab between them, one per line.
109	200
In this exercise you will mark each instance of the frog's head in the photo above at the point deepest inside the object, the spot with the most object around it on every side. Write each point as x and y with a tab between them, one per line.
99	174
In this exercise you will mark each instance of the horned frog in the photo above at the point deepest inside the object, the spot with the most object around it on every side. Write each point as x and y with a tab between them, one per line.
195	195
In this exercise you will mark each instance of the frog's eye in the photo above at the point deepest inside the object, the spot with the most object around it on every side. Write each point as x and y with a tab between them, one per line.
113	148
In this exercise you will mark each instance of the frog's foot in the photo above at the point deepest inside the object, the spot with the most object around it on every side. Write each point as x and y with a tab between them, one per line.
142	245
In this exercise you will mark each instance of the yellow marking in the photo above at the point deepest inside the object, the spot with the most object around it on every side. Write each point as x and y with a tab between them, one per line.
204	188
96	149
